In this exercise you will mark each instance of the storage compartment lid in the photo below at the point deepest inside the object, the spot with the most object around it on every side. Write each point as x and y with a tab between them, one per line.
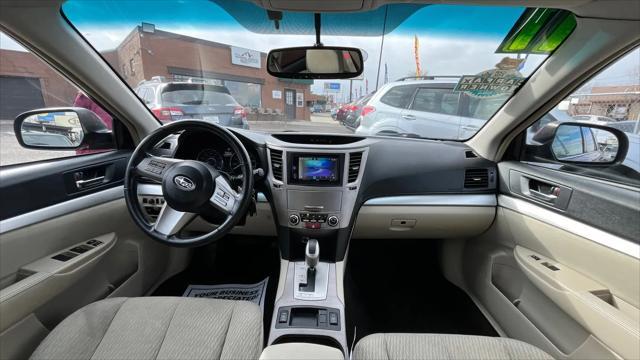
291	351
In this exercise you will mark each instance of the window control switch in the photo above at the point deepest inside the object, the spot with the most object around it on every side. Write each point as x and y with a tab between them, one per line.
65	256
81	249
550	266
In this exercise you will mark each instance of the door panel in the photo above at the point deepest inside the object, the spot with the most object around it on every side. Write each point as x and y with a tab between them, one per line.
44	215
35	186
575	256
590	303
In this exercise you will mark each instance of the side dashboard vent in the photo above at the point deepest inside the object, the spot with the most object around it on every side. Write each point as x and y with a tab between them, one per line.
276	163
355	160
470	154
476	178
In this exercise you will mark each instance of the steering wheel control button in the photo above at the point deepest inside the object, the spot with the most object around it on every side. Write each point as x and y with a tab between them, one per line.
333	220
155	167
294	219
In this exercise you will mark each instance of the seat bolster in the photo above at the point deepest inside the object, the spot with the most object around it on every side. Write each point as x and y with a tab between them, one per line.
78	336
245	333
441	346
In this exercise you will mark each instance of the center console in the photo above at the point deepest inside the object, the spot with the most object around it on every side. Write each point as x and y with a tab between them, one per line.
314	191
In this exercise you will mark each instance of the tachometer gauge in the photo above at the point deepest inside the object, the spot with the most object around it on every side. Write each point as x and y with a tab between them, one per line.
211	157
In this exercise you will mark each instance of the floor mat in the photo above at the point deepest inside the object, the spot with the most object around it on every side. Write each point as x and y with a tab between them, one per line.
233	259
397	286
247	292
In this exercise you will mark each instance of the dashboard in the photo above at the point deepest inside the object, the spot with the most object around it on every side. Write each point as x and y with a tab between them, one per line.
335	187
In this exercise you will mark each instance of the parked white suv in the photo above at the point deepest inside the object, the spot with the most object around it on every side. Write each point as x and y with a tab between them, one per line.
428	109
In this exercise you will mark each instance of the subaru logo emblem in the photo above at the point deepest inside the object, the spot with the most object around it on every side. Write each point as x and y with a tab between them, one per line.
184	183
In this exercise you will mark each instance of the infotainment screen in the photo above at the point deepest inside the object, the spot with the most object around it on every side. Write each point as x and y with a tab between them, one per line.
315	169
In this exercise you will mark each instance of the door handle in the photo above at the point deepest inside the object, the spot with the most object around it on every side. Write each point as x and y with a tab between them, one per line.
542	196
408	117
83	184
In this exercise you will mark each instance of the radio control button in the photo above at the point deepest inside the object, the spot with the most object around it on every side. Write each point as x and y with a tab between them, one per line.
294	219
332	220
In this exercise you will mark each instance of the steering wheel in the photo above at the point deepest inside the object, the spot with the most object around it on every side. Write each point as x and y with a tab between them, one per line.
189	187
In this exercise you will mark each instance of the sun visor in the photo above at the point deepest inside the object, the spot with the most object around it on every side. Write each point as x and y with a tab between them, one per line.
367	23
538	31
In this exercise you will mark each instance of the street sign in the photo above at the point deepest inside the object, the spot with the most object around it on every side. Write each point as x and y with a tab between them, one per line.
335	87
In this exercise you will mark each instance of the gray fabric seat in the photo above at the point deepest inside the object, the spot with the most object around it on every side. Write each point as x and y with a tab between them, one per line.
157	328
441	346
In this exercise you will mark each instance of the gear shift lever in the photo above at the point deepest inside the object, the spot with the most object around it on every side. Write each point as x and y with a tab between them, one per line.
312	253
311	258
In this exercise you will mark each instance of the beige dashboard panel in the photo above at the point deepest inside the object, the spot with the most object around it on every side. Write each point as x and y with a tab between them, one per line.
424	222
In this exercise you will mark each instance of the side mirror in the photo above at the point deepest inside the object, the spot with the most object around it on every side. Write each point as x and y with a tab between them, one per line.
584	143
62	129
315	62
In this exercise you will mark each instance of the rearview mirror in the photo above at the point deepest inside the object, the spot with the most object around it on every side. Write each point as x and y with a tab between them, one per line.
581	142
315	62
62	129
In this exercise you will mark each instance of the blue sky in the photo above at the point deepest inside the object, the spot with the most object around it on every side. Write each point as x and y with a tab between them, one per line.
478	21
454	40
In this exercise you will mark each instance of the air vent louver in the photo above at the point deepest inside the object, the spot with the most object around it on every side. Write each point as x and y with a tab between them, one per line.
354	166
276	164
470	154
476	178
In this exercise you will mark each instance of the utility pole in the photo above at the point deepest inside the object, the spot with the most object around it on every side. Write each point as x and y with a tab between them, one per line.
350	88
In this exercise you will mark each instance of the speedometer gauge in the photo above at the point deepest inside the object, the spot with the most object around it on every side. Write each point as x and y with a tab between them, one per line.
235	162
211	157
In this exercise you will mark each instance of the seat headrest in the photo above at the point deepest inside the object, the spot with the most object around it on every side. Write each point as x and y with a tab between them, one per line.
323	61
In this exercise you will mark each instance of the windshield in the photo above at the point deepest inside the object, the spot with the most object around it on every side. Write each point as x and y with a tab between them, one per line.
449	67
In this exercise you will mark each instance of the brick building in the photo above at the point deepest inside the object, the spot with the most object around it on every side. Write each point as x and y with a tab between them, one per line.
617	102
24	80
147	52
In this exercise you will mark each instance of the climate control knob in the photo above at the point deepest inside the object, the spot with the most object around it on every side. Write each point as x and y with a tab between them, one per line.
294	219
332	220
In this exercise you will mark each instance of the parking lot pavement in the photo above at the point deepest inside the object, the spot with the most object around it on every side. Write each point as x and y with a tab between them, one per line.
320	123
12	153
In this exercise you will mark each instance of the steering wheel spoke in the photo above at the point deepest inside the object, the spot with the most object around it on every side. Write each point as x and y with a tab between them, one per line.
171	221
149	189
224	198
154	167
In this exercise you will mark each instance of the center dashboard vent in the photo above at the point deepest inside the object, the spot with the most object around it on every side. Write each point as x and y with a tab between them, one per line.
355	160
476	178
276	163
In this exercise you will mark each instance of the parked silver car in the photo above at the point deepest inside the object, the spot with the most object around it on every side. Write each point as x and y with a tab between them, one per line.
427	109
